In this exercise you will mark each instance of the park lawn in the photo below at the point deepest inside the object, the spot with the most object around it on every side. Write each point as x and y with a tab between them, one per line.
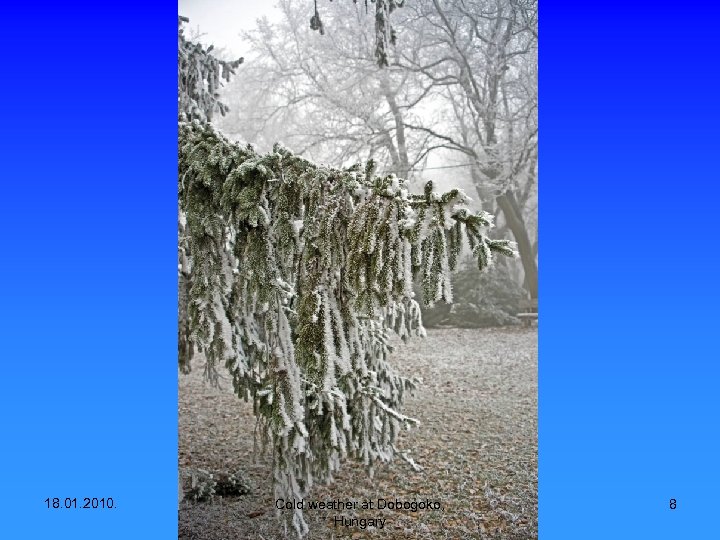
476	444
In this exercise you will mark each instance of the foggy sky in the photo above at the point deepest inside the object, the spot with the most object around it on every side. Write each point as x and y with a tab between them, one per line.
223	20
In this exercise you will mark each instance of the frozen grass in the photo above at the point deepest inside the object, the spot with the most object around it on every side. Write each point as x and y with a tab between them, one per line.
477	446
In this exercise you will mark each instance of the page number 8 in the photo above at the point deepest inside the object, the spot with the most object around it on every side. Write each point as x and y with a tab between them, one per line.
673	504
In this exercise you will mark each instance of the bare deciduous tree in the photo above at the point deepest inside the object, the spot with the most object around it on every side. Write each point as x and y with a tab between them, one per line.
325	96
483	55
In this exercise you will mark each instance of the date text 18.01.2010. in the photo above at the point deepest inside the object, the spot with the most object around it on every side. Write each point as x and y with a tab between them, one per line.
103	503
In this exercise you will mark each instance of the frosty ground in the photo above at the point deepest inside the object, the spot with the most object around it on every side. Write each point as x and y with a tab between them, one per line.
477	446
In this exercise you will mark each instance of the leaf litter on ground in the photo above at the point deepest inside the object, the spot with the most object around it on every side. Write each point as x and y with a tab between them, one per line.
475	449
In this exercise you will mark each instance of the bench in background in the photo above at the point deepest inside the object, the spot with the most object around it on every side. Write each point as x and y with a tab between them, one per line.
530	311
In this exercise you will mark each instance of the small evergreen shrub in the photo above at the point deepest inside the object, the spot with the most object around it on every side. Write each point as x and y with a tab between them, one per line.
204	485
480	299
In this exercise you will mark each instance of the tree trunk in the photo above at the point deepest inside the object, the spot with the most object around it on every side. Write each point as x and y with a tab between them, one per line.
484	192
402	166
513	217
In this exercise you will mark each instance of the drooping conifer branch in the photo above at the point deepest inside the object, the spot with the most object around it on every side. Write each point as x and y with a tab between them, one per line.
299	273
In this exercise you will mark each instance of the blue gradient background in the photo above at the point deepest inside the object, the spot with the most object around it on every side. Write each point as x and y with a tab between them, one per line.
88	268
629	270
629	408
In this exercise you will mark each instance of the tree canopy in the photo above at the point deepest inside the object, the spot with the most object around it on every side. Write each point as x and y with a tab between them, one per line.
384	33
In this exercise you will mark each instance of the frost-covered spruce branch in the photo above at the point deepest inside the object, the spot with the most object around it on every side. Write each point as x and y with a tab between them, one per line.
299	273
200	75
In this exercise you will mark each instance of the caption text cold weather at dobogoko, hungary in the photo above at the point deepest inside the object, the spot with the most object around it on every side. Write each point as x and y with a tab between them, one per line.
379	504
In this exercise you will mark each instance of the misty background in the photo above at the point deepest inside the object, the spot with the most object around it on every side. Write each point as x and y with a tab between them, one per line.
457	105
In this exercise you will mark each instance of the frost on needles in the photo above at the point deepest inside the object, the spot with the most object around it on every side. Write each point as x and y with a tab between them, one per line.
296	276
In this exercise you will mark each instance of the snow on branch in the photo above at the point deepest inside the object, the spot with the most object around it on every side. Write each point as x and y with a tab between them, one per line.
299	274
